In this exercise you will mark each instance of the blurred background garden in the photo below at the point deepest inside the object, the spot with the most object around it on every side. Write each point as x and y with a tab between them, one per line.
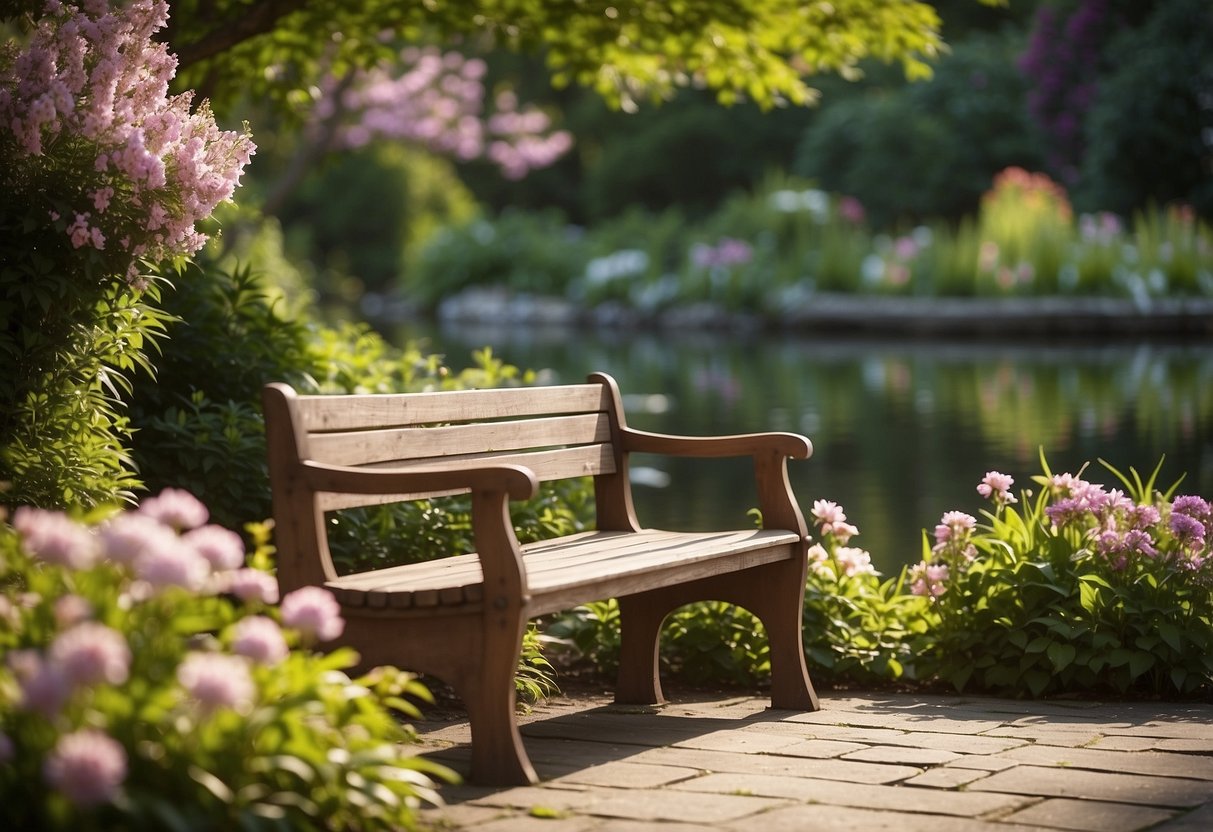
954	243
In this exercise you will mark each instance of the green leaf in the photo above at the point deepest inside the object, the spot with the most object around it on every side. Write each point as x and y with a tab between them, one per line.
1169	633
1061	655
1140	662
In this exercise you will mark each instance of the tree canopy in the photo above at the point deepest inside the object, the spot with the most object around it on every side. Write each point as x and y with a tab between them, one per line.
766	51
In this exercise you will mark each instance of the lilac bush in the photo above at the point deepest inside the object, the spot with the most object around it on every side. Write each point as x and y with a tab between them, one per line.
85	103
105	175
134	694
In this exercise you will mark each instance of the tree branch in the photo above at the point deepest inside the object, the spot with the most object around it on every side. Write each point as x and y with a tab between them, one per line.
260	17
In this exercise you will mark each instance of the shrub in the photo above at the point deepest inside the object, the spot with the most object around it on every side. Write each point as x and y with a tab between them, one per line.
920	151
150	680
104	174
1081	589
536	253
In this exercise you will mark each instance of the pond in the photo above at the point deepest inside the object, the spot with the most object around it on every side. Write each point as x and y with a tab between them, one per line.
903	430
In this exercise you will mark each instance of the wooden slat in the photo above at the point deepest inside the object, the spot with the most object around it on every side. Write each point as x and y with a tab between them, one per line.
362	447
560	463
355	412
574	569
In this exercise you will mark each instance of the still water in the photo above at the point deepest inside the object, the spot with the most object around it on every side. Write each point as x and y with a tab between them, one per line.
903	430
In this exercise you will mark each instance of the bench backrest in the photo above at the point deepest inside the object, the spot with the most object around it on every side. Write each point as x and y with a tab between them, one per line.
558	432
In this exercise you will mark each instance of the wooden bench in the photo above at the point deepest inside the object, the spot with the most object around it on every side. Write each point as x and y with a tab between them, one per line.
461	618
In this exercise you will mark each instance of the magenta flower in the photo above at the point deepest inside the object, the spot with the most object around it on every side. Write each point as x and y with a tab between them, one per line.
260	639
314	612
1195	507
90	653
175	507
88	767
217	680
221	547
1189	532
54	537
252	585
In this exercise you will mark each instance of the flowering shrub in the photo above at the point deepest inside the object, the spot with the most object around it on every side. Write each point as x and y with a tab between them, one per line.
85	108
148	678
1082	588
438	102
104	174
1077	589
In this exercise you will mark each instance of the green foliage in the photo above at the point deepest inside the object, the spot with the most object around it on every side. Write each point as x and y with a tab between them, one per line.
302	746
928	150
200	426
1149	108
787	242
760	51
364	214
530	252
1059	597
1057	601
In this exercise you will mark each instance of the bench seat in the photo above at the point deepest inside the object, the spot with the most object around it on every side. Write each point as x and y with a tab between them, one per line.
566	571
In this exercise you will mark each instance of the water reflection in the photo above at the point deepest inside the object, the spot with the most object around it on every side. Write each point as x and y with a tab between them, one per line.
903	430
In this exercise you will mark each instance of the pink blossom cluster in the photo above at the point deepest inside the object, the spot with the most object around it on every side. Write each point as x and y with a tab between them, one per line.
438	102
726	253
87	766
92	76
996	486
929	579
832	521
1123	532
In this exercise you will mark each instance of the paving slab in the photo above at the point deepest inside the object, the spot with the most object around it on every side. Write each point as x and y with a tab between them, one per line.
864	762
1090	815
1098	785
1160	763
895	798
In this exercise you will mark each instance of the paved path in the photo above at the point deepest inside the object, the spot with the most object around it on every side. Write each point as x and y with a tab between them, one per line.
864	762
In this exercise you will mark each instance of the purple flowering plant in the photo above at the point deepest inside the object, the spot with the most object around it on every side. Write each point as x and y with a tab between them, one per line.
150	676
1077	587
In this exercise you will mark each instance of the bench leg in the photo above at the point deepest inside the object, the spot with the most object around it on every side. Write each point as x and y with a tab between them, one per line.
775	594
640	620
498	756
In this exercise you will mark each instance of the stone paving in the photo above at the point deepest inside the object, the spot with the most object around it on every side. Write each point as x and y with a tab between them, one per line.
903	762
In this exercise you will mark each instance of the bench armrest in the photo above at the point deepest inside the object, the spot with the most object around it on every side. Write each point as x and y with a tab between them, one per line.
746	444
515	481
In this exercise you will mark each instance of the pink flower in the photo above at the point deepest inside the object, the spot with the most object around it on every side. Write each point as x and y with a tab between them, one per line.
44	686
217	681
88	767
996	485
253	585
172	563
854	561
71	610
55	538
90	653
260	639
314	612
221	547
175	507
128	535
